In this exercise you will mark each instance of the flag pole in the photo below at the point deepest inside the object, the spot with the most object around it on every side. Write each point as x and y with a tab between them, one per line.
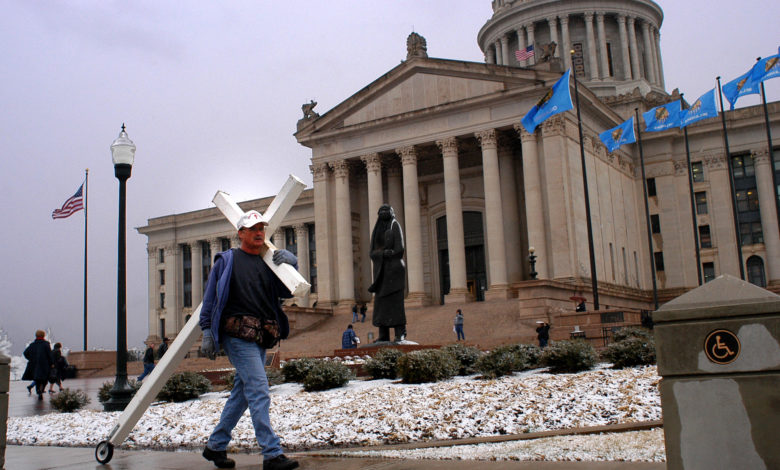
771	151
86	212
690	190
594	280
731	183
647	209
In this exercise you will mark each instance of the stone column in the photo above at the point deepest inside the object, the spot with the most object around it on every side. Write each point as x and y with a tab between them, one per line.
455	238
216	247
197	273
659	60
510	212
320	173
592	60
531	41
553	23
636	71
496	244
278	239
649	68
721	210
626	60
521	45
395	191
566	39
766	205
603	59
346	270
154	289
374	181
505	50
490	55
499	55
534	206
302	240
413	234
175	290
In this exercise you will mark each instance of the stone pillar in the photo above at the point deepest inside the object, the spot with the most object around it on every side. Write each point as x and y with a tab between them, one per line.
154	289
635	70
766	205
521	45
659	60
346	270
216	247
395	191
534	206
279	240
413	234
174	286
496	244
320	173
649	68
626	60
302	241
505	50
592	60
455	238
603	59
499	55
721	211
374	181
490	55
566	39
531	41
553	23
197	274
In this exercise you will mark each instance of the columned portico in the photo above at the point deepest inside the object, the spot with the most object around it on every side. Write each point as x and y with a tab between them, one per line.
493	215
346	271
766	205
649	66
454	210
413	242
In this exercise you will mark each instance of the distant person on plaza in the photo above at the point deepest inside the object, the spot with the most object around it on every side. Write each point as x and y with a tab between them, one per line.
60	364
39	362
148	361
241	303
459	326
354	313
543	333
163	348
363	310
349	338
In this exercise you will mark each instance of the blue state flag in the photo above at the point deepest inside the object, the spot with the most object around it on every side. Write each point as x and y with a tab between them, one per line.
556	100
663	117
740	86
617	136
702	108
766	69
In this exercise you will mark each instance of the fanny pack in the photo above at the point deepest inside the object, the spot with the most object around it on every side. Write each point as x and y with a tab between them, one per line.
261	331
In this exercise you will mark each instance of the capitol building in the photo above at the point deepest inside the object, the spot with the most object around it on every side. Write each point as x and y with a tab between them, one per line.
440	140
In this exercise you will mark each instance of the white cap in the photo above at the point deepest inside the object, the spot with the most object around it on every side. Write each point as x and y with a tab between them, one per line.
250	219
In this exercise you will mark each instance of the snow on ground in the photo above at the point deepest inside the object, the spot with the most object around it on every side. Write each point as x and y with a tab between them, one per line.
387	412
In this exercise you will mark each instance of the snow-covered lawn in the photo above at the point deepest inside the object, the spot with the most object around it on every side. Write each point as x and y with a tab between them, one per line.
366	413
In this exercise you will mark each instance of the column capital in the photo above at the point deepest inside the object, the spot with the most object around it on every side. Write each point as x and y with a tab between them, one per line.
408	155
171	249
621	17
448	146
319	171
645	26
373	162
301	230
564	19
530	28
340	168
487	138
504	40
554	126
552	19
589	17
600	15
761	157
715	161
152	251
680	167
524	135
631	20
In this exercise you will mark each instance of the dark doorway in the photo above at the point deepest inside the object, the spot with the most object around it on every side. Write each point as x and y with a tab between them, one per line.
476	275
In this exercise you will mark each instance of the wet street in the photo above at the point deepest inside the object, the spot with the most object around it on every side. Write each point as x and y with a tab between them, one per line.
22	403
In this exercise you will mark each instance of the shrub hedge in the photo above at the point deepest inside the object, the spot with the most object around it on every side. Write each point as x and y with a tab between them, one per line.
427	365
383	364
569	356
466	356
69	400
184	386
324	375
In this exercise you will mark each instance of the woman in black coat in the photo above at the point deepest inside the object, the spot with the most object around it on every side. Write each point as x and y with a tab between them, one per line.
39	362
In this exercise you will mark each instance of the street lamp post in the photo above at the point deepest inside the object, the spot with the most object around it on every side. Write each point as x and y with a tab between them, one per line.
123	154
532	262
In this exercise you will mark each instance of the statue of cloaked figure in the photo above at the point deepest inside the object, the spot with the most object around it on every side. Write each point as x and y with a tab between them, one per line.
387	251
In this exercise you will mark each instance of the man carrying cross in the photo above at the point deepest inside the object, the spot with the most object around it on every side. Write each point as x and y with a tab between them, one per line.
242	313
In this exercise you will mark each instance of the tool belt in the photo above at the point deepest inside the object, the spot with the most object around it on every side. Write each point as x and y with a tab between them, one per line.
261	331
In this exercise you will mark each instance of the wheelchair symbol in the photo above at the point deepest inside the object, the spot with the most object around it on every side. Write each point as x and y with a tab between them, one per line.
722	347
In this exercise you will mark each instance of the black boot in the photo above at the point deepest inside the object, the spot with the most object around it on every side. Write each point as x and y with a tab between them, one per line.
219	457
280	462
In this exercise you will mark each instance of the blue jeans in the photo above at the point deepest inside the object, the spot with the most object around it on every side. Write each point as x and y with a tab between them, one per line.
250	389
147	370
459	331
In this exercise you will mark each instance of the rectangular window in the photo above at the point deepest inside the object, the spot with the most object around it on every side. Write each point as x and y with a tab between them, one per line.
701	202
224	244
747	200
205	259
312	259
161	255
659	261
697	169
162	277
655	223
651	187
162	300
292	242
705	239
751	233
609	60
186	256
709	271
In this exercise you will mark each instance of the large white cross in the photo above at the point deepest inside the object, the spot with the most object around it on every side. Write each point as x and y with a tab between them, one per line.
191	331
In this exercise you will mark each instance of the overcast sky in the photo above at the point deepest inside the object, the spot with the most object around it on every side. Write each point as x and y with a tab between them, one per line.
211	93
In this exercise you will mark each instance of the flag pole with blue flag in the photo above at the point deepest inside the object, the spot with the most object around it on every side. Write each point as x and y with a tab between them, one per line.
764	70
556	100
619	135
647	210
662	117
740	86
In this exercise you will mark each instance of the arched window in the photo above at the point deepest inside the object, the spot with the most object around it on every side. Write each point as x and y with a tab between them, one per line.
755	268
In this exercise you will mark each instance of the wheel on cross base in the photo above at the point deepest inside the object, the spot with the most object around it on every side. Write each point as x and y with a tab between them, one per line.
104	451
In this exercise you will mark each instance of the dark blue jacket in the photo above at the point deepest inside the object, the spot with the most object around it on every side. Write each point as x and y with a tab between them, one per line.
216	295
348	339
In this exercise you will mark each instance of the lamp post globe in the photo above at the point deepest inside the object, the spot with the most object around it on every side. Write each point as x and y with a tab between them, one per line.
123	155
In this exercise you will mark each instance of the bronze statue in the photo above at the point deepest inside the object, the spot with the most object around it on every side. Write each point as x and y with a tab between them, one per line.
387	251
547	52
308	110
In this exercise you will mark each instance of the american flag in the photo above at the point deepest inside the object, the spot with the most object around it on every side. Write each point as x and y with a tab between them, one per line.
525	54
74	204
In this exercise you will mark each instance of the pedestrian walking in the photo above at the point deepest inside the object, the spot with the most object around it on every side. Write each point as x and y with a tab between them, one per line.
354	313
349	339
459	325
543	333
363	310
148	361
39	362
60	365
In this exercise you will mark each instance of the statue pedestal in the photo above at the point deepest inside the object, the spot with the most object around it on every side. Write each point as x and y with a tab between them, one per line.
458	296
